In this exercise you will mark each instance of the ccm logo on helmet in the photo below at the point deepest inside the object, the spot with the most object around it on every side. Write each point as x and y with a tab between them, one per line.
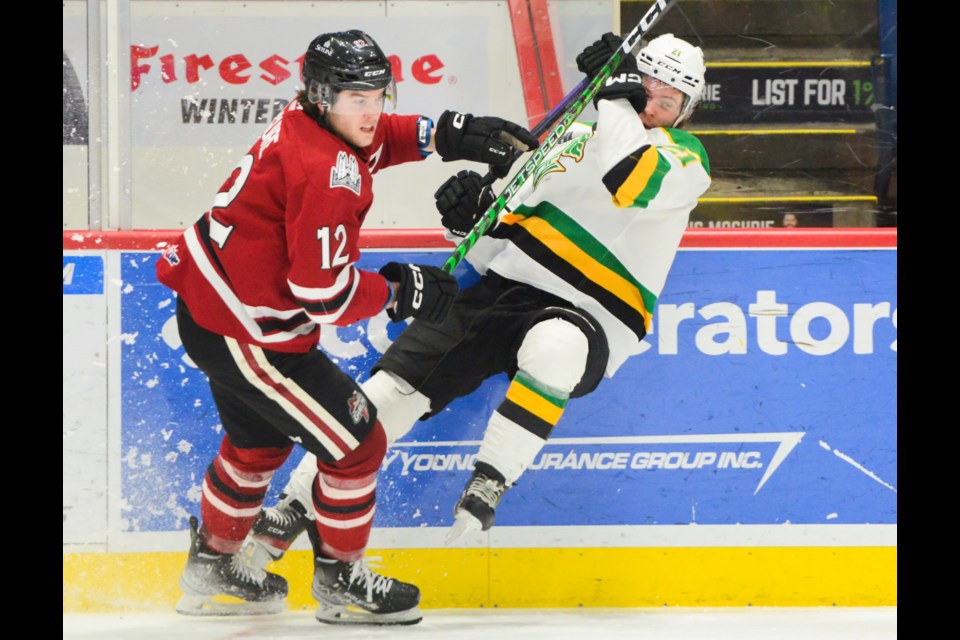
378	72
661	63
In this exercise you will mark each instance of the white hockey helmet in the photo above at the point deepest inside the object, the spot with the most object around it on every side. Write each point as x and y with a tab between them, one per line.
676	63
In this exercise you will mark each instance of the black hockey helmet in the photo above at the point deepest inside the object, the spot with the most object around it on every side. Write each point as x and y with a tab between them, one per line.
346	60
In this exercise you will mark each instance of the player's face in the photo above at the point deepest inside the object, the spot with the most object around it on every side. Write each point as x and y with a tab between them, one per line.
355	114
663	104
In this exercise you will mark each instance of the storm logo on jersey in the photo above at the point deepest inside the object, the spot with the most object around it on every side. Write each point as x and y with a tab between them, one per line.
358	408
170	255
346	173
574	148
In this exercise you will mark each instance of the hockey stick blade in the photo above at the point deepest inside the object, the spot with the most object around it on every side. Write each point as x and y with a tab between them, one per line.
566	112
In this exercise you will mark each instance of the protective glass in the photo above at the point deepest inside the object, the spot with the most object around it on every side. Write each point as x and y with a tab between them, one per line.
668	98
354	102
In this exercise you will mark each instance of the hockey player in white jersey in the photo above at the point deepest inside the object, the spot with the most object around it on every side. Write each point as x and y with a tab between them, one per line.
571	273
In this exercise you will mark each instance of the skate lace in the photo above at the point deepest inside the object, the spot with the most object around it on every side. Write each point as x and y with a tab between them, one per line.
490	491
283	516
362	574
246	573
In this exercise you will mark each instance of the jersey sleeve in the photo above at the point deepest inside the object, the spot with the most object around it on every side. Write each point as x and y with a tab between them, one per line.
349	296
397	141
642	173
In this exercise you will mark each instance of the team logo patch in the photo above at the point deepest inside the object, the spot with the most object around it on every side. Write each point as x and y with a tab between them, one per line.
170	255
346	173
358	408
573	147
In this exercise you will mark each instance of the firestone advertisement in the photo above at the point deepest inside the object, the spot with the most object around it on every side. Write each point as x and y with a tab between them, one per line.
220	82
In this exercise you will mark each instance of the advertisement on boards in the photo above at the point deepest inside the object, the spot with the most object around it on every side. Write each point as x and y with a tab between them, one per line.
219	80
84	393
788	93
766	395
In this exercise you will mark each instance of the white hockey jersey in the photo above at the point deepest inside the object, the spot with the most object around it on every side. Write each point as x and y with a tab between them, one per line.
599	221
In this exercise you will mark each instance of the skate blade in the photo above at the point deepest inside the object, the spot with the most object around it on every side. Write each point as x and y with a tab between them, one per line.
357	616
190	605
464	523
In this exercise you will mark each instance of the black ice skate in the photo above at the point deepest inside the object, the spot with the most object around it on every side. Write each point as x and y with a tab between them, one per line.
274	531
220	584
351	593
476	508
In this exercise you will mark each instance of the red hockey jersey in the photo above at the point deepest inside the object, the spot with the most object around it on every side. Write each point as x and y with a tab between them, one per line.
275	257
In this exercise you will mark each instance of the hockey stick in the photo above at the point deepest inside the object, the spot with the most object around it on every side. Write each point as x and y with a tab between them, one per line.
570	107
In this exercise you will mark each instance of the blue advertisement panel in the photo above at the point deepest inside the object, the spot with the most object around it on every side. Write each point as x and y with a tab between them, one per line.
82	275
767	395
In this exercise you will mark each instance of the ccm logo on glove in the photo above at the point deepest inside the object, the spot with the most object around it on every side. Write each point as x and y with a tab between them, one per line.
460	119
624	77
423	292
417	298
624	84
463	136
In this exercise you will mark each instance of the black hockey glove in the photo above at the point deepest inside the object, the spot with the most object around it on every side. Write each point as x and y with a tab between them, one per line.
461	136
461	200
499	171
425	292
625	82
592	59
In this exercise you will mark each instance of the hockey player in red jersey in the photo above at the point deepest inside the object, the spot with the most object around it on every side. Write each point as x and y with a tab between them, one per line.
257	276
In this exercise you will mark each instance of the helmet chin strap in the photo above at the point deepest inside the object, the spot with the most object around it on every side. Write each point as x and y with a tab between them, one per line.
683	111
323	104
676	123
322	118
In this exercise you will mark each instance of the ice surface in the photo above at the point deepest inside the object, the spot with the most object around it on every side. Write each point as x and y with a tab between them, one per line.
754	623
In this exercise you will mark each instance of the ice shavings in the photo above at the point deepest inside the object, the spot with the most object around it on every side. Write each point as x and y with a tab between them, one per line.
194	493
131	458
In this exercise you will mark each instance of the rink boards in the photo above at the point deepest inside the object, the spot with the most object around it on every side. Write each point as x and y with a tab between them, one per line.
748	456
